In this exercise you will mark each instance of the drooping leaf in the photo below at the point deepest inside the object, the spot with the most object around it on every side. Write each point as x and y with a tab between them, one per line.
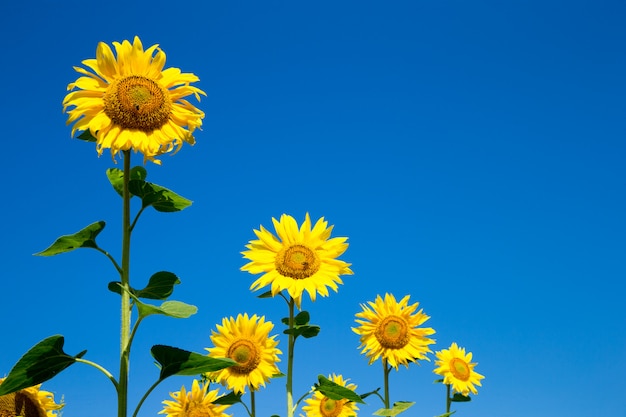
86	136
175	361
305	331
398	407
42	362
116	177
460	398
160	198
160	286
335	391
229	399
176	309
367	394
85	238
266	294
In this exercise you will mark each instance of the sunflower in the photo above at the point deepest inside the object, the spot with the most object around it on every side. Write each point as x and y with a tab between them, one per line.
245	340
29	402
390	329
199	402
299	259
321	406
131	102
457	369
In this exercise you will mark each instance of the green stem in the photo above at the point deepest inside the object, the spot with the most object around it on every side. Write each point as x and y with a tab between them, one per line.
146	396
291	344
252	404
448	399
122	391
386	370
100	368
108	255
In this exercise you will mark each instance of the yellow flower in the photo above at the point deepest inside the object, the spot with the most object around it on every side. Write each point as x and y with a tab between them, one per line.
321	406
390	329
197	403
457	369
131	102
29	402
245	340
298	260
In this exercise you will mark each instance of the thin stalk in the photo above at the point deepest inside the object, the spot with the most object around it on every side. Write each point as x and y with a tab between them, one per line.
386	370
448	399
291	344
122	391
252	404
99	368
146	396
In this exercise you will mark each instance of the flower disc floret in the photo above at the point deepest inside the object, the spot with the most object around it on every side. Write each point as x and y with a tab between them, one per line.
29	402
128	101
199	402
298	259
391	330
457	369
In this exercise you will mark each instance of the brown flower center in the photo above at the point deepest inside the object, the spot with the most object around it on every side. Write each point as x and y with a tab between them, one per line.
297	262
20	404
392	332
331	408
246	354
460	369
137	102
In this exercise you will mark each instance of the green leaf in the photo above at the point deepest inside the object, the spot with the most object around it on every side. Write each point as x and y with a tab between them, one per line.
398	407
86	136
302	318
460	398
266	294
305	331
85	238
367	394
160	286
335	391
229	399
175	361
438	381
176	309
42	362
160	198
116	177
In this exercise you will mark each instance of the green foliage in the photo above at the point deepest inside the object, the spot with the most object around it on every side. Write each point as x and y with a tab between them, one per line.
175	361
160	198
301	326
460	398
335	391
160	286
42	362
84	238
367	394
86	136
176	309
116	177
398	407
229	399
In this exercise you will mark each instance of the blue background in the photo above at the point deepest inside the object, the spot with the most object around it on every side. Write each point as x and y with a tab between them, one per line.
473	153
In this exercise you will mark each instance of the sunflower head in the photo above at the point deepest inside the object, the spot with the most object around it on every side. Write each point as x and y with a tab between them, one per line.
197	403
29	402
390	329
298	259
457	369
321	406
128	101
245	340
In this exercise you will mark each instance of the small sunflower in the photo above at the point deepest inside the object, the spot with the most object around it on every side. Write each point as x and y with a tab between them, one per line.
321	406
245	340
199	402
131	102
29	402
457	369
390	330
299	259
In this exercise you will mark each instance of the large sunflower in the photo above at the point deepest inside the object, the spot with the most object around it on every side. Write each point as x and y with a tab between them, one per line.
299	259
457	369
131	102
321	406
29	402
389	329
245	340
198	402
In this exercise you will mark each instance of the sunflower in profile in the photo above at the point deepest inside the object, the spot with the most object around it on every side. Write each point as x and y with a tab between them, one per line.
321	406
457	369
129	101
29	402
245	340
298	259
390	329
199	402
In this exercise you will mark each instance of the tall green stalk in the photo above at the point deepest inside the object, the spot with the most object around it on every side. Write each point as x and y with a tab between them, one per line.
386	371
122	388
291	344
448	399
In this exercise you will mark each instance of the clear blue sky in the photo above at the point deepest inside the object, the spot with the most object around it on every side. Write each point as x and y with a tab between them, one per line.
473	153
